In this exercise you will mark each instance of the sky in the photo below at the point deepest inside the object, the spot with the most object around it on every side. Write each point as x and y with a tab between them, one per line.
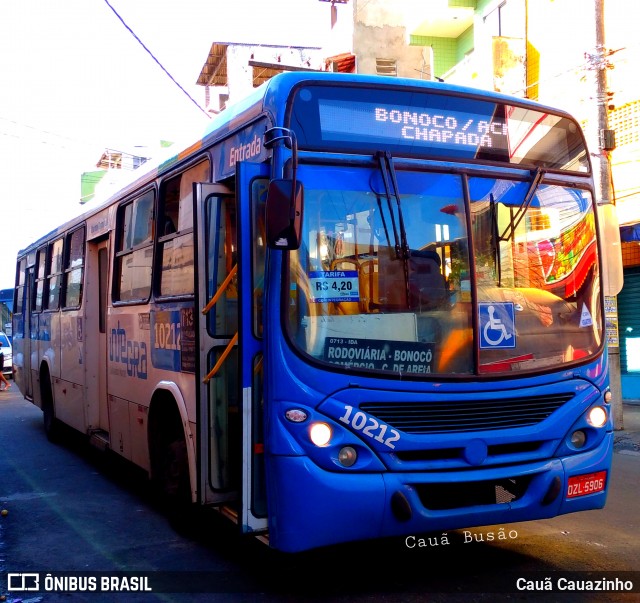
74	81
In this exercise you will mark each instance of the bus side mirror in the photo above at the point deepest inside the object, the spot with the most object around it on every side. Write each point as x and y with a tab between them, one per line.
284	214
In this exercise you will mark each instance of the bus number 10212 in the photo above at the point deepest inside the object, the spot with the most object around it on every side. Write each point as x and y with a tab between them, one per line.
369	427
167	335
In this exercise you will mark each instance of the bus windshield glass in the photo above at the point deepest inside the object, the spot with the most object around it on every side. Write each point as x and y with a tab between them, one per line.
394	283
435	125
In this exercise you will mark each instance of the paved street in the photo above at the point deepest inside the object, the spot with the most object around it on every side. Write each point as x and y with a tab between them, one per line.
71	509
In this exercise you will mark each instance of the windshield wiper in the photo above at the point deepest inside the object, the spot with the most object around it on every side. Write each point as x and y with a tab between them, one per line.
495	238
388	173
400	239
524	206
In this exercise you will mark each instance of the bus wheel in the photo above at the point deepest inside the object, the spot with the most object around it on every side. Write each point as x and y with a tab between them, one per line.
174	471
169	460
52	426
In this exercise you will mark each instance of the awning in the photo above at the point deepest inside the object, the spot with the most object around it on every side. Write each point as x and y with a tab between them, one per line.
630	233
341	63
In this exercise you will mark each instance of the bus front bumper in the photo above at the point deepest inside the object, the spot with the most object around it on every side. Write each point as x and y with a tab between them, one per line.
311	507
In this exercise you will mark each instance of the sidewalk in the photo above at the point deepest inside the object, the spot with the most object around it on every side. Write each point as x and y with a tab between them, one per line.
627	440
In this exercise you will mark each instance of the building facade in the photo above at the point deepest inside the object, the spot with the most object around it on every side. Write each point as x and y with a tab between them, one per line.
543	50
539	49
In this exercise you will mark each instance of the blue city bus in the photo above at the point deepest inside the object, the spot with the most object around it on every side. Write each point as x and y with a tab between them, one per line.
358	307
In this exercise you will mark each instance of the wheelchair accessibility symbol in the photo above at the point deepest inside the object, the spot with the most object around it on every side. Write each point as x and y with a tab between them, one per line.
497	325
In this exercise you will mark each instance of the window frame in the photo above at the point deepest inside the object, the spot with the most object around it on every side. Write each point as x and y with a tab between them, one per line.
40	278
68	269
20	285
50	275
200	162
121	251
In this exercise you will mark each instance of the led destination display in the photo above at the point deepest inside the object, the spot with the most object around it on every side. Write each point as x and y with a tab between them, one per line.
425	123
450	129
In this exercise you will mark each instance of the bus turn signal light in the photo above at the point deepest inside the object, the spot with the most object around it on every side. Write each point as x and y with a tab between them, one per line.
295	415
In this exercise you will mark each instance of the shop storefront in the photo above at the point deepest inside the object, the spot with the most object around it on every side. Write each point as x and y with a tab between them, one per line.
629	314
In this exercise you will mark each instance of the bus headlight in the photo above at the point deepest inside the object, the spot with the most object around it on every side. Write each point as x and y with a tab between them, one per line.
320	434
597	416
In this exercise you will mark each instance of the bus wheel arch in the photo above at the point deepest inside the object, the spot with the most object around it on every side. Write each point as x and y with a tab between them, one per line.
171	455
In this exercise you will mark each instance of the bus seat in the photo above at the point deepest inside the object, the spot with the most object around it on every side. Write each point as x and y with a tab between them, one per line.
368	283
427	287
345	264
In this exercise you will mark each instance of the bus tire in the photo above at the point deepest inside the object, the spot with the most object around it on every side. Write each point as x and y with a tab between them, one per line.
52	426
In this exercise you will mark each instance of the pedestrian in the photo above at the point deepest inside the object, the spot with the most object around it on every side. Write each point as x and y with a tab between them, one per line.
7	385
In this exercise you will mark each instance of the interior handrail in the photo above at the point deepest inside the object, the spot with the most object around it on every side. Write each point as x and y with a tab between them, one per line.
220	290
216	368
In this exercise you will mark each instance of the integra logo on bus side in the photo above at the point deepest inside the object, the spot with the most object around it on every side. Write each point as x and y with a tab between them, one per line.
133	354
245	151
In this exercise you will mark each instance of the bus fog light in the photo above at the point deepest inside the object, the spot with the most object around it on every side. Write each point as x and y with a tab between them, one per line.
320	434
347	456
578	438
597	416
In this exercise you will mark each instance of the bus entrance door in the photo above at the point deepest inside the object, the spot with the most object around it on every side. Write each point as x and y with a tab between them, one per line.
252	185
97	416
27	340
226	475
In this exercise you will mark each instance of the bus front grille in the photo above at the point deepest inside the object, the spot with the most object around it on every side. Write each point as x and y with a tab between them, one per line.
465	416
439	497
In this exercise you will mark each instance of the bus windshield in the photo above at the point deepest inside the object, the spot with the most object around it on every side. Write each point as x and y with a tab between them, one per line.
392	281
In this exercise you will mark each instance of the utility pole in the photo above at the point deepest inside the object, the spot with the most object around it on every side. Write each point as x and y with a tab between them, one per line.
604	194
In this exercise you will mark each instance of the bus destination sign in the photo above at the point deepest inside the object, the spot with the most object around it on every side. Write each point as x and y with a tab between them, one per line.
381	354
451	129
432	123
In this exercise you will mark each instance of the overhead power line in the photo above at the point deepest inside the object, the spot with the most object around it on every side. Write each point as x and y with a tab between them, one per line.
15	129
115	12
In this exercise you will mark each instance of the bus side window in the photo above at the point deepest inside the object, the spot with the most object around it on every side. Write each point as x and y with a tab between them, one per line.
175	227
21	280
74	269
38	292
54	275
134	251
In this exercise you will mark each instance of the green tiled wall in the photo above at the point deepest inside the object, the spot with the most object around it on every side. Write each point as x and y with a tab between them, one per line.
445	51
465	43
448	52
